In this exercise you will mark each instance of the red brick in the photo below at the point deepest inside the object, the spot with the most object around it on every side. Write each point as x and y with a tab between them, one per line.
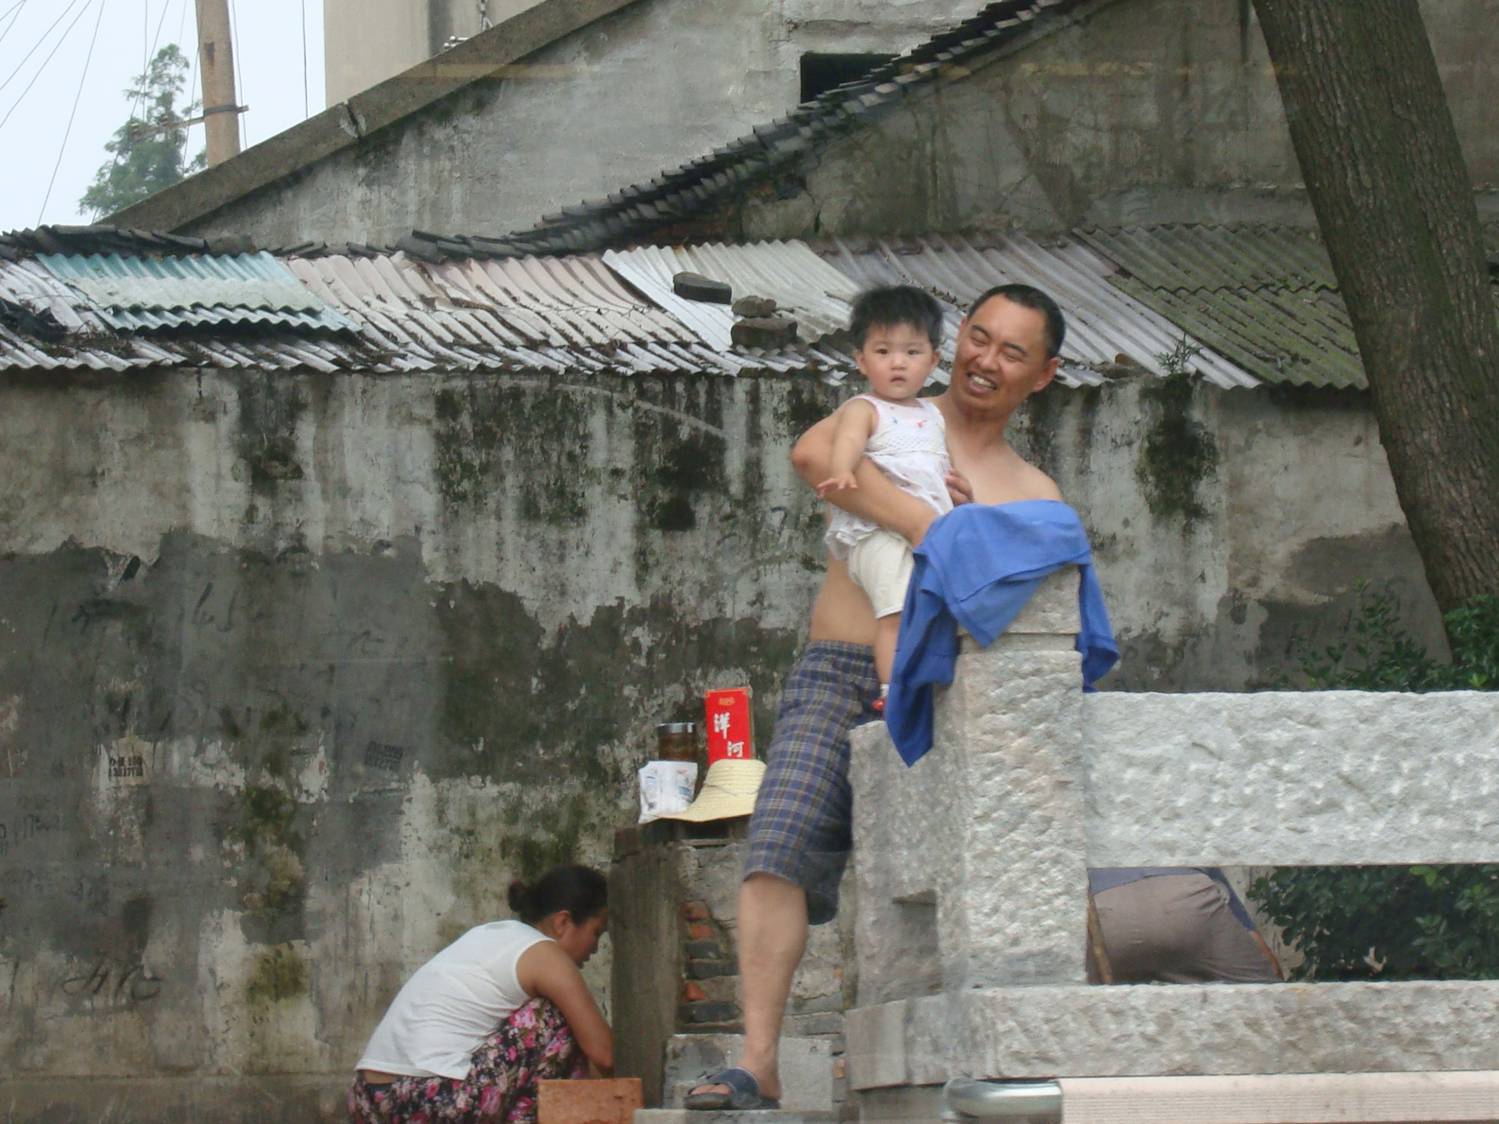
696	911
691	993
699	932
588	1102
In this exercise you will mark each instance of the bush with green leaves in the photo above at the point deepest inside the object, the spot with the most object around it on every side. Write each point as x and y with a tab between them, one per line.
1395	923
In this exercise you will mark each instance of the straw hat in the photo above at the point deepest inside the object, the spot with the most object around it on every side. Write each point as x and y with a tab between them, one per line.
728	790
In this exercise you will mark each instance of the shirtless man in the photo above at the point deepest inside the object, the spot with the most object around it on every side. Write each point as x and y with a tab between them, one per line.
1006	350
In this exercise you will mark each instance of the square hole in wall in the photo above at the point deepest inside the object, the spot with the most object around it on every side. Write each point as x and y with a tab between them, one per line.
822	72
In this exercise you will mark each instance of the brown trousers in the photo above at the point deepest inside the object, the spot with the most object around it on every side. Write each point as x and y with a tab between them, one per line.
1177	928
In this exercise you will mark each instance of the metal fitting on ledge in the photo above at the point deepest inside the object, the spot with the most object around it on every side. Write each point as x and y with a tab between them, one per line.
1021	1102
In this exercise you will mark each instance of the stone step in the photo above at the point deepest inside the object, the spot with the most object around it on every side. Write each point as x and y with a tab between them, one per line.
806	1069
687	1116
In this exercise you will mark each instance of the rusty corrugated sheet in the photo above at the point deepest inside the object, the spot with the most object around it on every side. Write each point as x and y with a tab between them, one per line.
1264	297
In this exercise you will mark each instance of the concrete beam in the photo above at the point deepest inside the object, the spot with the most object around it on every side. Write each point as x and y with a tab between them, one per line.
1214	1029
483	57
1323	1098
1293	778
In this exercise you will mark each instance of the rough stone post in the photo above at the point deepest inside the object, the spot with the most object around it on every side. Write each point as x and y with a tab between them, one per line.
976	857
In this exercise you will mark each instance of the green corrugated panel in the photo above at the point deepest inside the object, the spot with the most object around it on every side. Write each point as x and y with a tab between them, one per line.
1188	258
143	293
1291	337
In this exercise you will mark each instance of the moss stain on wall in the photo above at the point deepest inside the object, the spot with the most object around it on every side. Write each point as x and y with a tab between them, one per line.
279	974
1178	453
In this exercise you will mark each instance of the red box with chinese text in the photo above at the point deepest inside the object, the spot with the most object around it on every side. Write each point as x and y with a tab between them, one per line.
730	732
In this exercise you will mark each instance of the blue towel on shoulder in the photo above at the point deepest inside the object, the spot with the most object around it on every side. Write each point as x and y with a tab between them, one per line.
977	567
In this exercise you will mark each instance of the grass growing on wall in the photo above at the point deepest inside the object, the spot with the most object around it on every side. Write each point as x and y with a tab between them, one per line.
1178	452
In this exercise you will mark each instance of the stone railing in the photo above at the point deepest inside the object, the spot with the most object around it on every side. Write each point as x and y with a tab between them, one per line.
972	875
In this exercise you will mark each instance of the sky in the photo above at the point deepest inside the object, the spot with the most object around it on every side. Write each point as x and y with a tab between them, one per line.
35	138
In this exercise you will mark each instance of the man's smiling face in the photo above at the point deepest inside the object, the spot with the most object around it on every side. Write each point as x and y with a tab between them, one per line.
1001	357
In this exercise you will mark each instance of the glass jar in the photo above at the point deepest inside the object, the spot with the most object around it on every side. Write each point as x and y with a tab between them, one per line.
677	741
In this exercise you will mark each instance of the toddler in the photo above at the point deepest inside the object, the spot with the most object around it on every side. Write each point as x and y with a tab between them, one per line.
896	332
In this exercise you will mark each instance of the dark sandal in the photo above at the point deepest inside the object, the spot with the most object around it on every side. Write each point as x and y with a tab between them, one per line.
743	1095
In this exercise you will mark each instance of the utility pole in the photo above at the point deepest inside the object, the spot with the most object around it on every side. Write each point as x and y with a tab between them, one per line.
221	108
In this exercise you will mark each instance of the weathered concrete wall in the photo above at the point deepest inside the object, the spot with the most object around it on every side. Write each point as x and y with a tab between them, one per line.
1136	111
650	87
1227	557
298	670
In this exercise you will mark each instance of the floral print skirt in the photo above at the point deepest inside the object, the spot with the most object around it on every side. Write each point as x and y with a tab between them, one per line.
533	1044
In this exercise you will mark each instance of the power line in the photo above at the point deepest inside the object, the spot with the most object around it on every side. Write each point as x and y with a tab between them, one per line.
193	73
239	85
77	97
192	77
306	100
15	16
81	13
40	41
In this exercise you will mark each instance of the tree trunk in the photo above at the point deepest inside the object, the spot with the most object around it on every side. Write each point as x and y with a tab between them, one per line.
1387	179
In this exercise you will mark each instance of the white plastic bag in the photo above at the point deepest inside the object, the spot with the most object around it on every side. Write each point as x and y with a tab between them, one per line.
666	787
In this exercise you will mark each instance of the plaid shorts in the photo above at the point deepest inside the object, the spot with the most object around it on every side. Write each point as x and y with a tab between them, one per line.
801	827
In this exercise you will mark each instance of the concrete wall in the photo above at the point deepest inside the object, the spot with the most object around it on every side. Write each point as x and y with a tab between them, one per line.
368	41
1223	567
298	670
654	85
1136	111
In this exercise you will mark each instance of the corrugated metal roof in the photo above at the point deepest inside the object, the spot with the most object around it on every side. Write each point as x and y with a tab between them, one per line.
803	286
555	314
1198	257
133	293
1263	297
1256	302
1106	328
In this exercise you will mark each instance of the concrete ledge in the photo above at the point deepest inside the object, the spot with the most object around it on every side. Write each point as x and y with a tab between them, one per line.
806	1068
1331	1098
1047	1032
1293	778
273	1099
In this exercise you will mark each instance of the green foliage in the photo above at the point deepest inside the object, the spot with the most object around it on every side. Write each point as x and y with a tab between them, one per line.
1395	923
143	162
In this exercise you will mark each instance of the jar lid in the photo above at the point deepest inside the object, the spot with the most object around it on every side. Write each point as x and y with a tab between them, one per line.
676	728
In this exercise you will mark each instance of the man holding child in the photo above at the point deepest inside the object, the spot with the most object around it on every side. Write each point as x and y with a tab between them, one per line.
1007	349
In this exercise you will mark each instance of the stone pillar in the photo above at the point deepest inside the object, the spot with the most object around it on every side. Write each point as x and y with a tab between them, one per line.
973	863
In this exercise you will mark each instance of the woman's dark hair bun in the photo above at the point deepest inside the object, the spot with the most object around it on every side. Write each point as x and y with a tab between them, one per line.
579	890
